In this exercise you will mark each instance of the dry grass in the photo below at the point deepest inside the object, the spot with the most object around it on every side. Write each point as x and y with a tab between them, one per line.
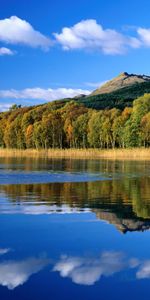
120	154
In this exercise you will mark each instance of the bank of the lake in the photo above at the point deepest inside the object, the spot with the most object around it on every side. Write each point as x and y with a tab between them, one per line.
129	154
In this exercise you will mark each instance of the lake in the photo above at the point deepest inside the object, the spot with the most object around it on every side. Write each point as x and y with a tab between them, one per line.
74	229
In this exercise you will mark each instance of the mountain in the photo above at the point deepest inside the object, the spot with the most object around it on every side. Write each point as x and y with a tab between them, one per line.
121	81
123	224
119	92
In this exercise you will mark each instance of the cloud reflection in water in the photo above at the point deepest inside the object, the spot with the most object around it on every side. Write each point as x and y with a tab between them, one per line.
15	273
81	270
87	271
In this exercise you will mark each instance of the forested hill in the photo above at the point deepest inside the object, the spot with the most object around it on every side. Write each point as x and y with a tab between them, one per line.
70	124
113	119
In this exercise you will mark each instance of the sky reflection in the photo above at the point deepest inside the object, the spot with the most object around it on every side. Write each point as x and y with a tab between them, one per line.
82	270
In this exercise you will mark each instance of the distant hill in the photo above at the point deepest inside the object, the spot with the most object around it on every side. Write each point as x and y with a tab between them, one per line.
121	81
118	92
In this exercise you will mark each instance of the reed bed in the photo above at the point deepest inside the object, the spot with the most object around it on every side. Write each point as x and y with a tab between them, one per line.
117	154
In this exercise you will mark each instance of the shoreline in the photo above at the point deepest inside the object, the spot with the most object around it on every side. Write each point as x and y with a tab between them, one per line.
115	154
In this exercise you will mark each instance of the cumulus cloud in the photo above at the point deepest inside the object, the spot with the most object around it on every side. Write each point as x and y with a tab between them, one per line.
42	94
6	51
87	271
13	274
17	31
90	35
85	35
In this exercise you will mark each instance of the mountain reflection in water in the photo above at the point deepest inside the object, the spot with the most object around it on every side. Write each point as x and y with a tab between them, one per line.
124	203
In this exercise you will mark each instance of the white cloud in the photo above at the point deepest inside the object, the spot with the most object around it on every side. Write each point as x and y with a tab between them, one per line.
144	35
4	251
144	271
90	35
6	51
5	106
134	262
42	94
13	274
17	31
87	271
86	35
49	209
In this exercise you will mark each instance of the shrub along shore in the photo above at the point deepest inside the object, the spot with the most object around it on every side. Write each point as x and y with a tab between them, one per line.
117	154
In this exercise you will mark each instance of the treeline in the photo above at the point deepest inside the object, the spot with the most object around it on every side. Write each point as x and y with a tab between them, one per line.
72	125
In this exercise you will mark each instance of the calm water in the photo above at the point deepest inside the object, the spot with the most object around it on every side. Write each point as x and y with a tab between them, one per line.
74	229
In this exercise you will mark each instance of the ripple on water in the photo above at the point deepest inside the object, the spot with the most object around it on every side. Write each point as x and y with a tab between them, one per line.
18	177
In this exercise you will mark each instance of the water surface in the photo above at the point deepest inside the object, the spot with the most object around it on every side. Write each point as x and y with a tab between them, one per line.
74	229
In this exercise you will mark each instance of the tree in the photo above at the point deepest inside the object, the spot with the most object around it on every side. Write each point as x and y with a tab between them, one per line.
80	130
70	112
145	129
29	137
15	106
118	127
141	106
95	130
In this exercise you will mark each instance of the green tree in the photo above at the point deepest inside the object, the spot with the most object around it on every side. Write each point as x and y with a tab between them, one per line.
145	129
141	106
80	130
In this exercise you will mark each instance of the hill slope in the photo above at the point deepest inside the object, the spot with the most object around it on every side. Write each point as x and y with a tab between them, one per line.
121	81
119	92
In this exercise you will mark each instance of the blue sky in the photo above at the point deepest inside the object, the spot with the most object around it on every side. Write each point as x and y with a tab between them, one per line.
52	49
